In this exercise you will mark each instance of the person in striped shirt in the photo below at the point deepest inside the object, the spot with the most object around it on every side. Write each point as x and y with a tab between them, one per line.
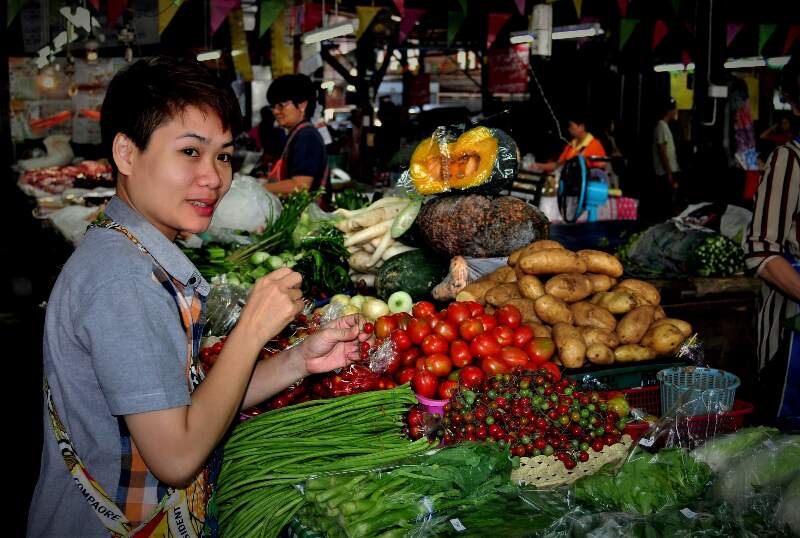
772	251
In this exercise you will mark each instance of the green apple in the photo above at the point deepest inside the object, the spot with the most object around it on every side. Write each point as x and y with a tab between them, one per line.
400	301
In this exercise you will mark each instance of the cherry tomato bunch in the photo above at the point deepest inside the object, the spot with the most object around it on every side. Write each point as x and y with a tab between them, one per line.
534	414
435	351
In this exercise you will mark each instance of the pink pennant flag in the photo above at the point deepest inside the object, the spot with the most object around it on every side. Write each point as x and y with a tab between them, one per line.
520	6
733	29
95	4
401	7
686	58
408	22
115	9
791	37
659	33
219	11
312	17
623	7
496	23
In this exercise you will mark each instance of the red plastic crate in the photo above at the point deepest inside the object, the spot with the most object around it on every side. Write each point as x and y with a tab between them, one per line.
648	399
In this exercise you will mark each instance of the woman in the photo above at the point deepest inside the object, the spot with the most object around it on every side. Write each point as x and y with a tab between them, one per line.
303	164
130	419
772	249
582	143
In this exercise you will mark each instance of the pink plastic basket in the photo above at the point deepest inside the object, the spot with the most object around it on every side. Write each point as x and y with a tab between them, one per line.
434	407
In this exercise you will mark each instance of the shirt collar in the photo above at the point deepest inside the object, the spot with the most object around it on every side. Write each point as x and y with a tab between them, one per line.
586	141
164	251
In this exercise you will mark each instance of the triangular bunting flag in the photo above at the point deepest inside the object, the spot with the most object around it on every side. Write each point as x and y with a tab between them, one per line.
408	22
686	58
115	9
765	31
626	28
660	31
791	37
365	15
312	16
166	11
496	23
269	11
219	12
464	6
454	21
95	4
623	7
676	5
578	7
241	58
733	29
401	7
12	9
520	6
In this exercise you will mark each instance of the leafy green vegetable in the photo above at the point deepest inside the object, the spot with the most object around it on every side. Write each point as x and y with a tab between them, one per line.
720	452
646	483
350	199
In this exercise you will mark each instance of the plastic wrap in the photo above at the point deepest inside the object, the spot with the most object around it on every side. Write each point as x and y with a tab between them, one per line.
457	158
311	220
223	308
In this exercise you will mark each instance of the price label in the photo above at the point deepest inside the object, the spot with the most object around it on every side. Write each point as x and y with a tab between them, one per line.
457	525
688	513
647	441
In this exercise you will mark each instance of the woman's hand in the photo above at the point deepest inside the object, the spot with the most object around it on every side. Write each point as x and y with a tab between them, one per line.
333	346
274	301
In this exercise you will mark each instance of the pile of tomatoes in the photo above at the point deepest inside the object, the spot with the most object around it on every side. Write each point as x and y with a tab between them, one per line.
533	414
436	351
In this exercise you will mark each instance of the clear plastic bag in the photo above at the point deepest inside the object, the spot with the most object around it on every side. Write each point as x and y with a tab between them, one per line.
223	308
246	206
311	220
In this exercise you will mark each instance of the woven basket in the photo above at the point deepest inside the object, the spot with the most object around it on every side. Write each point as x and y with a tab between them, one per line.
548	472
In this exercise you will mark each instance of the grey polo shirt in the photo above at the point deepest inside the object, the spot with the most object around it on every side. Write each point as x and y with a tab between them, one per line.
113	345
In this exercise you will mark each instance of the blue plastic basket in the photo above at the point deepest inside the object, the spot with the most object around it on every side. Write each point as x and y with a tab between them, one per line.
699	391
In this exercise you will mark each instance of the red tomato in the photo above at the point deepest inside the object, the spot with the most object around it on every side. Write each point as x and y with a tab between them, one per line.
446	389
423	310
522	335
515	357
504	335
494	366
405	375
475	309
401	340
439	364
418	329
469	329
425	384
457	312
460	353
540	350
409	357
488	322
434	343
394	364
485	346
508	315
420	362
402	319
446	329
384	326
554	370
472	376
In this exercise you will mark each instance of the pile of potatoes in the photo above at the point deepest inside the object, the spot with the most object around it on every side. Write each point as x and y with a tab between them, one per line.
576	298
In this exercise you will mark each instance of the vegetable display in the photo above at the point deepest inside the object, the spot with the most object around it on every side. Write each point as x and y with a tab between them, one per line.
414	272
266	456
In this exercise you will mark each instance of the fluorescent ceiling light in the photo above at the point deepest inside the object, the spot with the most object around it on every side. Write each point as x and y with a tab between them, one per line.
744	63
521	37
577	31
210	55
331	32
351	88
396	18
778	61
669	68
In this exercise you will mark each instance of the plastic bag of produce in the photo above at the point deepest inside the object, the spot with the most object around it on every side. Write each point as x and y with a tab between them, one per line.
246	206
311	220
223	308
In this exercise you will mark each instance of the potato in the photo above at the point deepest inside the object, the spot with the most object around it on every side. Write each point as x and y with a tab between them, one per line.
502	293
640	288
571	349
632	327
552	261
595	335
540	331
503	275
599	354
552	310
601	262
569	287
489	309
530	287
543	244
616	302
588	315
476	291
664	339
513	258
601	282
632	353
526	308
683	326
659	314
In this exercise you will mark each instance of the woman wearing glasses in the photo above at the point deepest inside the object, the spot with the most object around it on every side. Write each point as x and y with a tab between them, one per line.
303	165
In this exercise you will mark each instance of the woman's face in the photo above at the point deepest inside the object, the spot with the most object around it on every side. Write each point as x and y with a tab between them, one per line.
576	130
288	114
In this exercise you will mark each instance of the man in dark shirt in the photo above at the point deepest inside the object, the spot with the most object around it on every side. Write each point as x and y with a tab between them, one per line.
304	161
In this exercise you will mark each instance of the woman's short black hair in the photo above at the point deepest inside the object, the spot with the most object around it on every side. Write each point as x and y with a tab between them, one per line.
578	118
295	88
151	91
790	79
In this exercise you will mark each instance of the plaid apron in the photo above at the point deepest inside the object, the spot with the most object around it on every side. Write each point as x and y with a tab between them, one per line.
143	506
